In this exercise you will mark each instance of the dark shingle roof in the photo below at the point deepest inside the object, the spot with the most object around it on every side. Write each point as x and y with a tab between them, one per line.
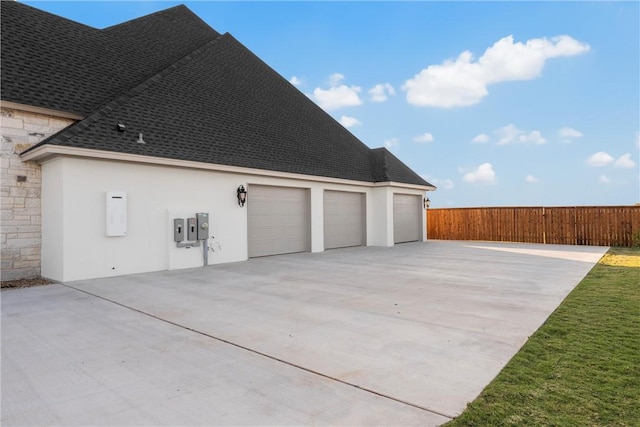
221	104
51	62
387	167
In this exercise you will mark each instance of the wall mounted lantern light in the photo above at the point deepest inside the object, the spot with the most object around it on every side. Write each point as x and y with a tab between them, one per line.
427	203
242	196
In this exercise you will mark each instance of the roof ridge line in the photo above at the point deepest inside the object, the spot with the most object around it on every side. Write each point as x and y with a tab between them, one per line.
83	124
158	12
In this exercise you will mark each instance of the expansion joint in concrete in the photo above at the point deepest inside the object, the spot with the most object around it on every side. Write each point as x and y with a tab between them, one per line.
311	371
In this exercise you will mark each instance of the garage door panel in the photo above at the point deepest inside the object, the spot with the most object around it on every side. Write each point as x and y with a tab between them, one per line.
278	220
344	219
407	219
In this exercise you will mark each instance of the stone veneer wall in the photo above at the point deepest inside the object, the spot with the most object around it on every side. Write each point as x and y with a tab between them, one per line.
21	236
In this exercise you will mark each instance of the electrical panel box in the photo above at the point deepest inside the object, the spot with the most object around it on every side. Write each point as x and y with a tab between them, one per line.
178	230
192	229
203	225
116	213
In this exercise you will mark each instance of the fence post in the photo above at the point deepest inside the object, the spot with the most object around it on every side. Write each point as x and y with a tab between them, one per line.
544	227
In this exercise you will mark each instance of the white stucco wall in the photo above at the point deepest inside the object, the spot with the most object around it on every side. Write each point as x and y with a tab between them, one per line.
75	245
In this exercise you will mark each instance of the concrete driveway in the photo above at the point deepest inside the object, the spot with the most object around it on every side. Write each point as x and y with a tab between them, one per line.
362	336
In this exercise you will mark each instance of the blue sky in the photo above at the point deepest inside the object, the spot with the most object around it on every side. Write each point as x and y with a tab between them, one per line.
496	103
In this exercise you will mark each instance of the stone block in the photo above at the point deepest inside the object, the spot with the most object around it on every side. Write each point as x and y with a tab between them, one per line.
29	212
29	236
11	122
23	243
18	192
6	214
6	147
34	174
25	191
57	123
26	264
35	119
19	219
17	163
8	228
10	254
14	135
32	203
30	251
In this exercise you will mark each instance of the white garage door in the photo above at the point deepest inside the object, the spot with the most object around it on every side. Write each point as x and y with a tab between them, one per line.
278	220
344	219
407	218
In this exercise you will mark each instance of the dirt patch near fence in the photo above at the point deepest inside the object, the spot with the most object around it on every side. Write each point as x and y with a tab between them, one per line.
24	283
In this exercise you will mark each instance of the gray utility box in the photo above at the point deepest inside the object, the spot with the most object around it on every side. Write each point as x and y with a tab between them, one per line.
192	229
202	220
178	229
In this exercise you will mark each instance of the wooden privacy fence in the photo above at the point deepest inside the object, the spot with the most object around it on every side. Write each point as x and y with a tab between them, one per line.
576	225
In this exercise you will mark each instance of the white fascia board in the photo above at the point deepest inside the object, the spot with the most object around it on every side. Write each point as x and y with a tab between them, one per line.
403	185
40	110
46	152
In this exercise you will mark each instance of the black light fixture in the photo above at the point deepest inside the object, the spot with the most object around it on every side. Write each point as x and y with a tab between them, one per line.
242	196
427	203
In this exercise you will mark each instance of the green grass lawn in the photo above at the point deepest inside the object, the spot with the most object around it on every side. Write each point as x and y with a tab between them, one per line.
582	367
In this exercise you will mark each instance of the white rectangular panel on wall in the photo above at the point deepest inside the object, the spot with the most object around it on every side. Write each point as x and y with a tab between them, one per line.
116	213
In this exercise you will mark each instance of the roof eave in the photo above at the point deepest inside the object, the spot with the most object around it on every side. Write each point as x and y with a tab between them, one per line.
404	185
40	110
46	152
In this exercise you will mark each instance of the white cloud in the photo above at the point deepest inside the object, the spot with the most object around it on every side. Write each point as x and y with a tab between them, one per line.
568	134
335	79
390	143
604	179
337	96
599	159
507	134
510	133
531	179
348	122
380	92
425	137
481	138
624	162
483	174
295	81
463	81
534	137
